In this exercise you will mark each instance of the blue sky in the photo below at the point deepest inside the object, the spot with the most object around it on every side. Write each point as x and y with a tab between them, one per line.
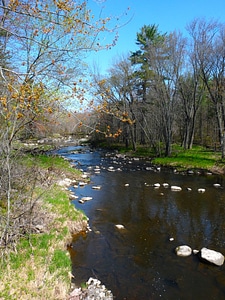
168	15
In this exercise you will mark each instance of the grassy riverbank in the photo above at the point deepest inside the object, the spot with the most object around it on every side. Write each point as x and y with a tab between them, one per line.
39	267
196	158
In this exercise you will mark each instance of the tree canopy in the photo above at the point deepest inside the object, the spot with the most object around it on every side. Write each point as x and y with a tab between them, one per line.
176	89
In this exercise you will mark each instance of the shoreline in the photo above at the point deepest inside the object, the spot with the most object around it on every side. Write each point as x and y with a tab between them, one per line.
59	223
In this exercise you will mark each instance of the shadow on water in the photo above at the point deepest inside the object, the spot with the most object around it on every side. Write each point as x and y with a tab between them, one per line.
139	262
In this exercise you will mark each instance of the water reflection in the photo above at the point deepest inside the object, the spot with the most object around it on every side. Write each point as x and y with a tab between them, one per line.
139	262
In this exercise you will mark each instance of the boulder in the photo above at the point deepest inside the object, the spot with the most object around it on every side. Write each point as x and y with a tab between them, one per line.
211	256
183	250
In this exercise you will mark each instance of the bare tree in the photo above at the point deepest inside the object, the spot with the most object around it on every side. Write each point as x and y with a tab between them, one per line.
45	42
166	61
209	44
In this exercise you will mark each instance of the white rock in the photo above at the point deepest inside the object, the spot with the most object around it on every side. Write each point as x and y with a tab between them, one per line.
201	190
65	182
165	185
171	239
175	188
212	256
156	185
183	250
96	290
76	293
96	187
84	176
148	168
86	198
126	184
190	172
72	197
119	226
217	185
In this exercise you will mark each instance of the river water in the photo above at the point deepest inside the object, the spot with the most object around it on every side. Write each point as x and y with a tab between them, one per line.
139	261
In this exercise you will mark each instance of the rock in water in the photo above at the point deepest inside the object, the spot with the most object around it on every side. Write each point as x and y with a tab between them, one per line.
183	250
119	226
175	188
211	256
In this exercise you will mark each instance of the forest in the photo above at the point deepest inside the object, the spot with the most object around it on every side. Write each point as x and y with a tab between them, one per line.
171	90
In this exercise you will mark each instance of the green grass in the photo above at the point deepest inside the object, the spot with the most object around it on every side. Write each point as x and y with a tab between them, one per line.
47	161
24	272
60	203
144	151
198	157
60	261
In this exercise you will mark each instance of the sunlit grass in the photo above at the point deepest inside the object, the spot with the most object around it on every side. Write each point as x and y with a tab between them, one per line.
41	262
198	157
48	161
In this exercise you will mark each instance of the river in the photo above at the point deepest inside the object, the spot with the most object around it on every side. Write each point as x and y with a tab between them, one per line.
139	261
